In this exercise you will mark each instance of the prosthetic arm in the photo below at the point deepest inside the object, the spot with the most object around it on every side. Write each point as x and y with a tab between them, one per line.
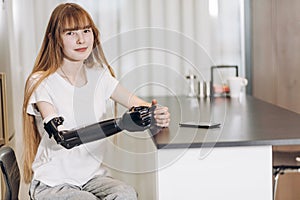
136	119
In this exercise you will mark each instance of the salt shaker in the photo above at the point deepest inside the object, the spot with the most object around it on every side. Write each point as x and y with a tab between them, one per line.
192	90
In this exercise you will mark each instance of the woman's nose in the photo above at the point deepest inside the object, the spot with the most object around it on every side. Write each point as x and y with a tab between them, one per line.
80	38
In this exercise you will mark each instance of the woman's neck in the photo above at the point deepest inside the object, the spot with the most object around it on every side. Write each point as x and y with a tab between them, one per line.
73	72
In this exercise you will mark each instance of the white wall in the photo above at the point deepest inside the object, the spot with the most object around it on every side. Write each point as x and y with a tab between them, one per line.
174	36
152	45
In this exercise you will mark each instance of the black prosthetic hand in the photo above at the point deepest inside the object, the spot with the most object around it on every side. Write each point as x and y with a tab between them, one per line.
136	119
67	139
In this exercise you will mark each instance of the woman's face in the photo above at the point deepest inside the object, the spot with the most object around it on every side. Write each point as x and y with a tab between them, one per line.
77	44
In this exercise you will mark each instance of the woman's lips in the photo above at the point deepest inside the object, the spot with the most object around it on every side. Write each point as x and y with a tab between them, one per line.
81	49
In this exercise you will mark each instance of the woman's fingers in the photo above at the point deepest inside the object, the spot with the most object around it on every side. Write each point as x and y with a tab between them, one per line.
162	116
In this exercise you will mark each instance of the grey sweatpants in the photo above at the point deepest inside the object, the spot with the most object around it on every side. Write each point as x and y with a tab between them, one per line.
99	187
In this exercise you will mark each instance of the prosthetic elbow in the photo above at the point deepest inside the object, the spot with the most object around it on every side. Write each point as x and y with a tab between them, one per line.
136	119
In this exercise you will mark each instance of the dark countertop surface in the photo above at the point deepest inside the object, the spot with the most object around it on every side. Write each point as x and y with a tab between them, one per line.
246	121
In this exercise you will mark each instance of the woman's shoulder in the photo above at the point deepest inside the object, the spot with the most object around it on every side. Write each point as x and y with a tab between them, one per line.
36	76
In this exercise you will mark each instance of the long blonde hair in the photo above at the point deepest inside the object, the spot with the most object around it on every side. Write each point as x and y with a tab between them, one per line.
49	59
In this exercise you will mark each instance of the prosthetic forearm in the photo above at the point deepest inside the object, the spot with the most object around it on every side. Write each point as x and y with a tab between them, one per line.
136	119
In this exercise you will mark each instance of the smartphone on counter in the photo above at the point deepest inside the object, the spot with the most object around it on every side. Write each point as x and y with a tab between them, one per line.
200	124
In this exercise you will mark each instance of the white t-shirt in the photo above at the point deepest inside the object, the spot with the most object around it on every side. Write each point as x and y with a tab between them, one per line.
78	106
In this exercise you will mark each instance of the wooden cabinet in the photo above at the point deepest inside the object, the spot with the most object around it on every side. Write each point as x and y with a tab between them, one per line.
276	67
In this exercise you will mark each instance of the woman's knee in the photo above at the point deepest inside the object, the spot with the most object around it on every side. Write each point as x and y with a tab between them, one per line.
127	193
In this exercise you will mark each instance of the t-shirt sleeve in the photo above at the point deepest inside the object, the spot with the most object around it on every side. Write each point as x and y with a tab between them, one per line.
110	83
41	93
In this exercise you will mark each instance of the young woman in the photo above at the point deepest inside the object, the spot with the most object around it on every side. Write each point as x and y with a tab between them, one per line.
72	79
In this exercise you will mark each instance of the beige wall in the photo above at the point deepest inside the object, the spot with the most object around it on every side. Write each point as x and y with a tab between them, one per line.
276	48
276	67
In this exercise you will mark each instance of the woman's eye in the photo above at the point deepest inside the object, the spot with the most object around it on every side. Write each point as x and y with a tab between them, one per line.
69	33
87	30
